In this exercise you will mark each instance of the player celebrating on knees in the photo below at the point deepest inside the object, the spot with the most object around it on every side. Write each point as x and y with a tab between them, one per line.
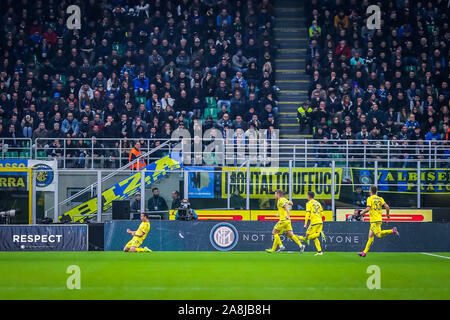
138	236
314	212
375	206
284	225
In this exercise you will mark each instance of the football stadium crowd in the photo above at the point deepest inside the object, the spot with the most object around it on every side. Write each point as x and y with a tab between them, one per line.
136	69
372	85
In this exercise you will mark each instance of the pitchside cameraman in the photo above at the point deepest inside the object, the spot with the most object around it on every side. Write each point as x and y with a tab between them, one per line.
185	212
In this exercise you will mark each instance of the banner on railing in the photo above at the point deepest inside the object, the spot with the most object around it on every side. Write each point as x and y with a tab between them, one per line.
402	215
127	187
201	182
432	181
13	181
249	215
265	181
45	172
44	238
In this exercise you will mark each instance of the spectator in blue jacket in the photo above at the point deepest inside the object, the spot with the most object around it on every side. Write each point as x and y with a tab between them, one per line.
70	126
412	123
223	16
141	84
433	134
36	37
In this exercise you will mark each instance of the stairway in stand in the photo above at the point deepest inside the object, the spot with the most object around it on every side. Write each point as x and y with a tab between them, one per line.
292	38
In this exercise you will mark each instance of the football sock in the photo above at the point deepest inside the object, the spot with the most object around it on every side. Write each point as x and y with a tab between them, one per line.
140	250
317	243
276	242
385	233
369	243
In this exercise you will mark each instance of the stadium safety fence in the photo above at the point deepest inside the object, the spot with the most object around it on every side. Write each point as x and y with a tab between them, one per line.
93	153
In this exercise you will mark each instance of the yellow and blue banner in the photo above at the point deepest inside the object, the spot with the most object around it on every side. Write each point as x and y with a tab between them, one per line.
44	171
432	181
127	187
201	182
265	181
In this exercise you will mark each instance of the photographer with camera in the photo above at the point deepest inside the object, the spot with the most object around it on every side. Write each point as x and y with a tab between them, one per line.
185	212
356	216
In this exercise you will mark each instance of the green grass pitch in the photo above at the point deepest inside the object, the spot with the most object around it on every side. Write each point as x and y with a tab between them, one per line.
222	275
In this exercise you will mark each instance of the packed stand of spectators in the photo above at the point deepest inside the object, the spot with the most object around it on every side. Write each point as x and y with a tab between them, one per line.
136	69
370	86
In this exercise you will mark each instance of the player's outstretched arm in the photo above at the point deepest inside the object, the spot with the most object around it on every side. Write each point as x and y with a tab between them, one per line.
367	209
388	209
306	219
131	232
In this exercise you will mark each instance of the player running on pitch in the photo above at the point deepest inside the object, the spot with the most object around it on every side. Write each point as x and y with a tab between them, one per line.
283	225
314	212
138	236
375	206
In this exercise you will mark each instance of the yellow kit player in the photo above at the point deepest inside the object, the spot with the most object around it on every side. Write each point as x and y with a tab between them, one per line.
283	225
138	236
375	206
314	212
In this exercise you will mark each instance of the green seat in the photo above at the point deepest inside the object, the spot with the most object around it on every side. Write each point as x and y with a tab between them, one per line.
119	47
25	154
41	155
210	112
140	100
11	154
411	68
188	122
211	102
63	79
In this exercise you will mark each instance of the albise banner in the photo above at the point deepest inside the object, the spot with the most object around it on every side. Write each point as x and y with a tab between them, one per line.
43	238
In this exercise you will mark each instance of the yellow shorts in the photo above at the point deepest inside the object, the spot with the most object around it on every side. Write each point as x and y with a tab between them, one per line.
283	226
317	228
134	242
375	227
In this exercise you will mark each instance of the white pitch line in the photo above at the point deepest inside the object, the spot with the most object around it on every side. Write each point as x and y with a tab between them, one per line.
435	255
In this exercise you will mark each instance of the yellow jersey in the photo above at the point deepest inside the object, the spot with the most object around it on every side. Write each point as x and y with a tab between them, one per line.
143	230
314	212
281	203
376	204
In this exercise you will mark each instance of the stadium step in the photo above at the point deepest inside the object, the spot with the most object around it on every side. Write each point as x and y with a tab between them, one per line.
293	82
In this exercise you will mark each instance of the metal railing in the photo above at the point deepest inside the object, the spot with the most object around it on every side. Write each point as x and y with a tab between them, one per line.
415	186
101	180
15	148
94	153
113	153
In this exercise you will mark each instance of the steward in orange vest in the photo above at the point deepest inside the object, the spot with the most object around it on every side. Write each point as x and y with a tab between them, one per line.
134	154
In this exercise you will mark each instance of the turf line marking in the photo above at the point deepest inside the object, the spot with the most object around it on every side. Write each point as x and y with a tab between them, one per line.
435	255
